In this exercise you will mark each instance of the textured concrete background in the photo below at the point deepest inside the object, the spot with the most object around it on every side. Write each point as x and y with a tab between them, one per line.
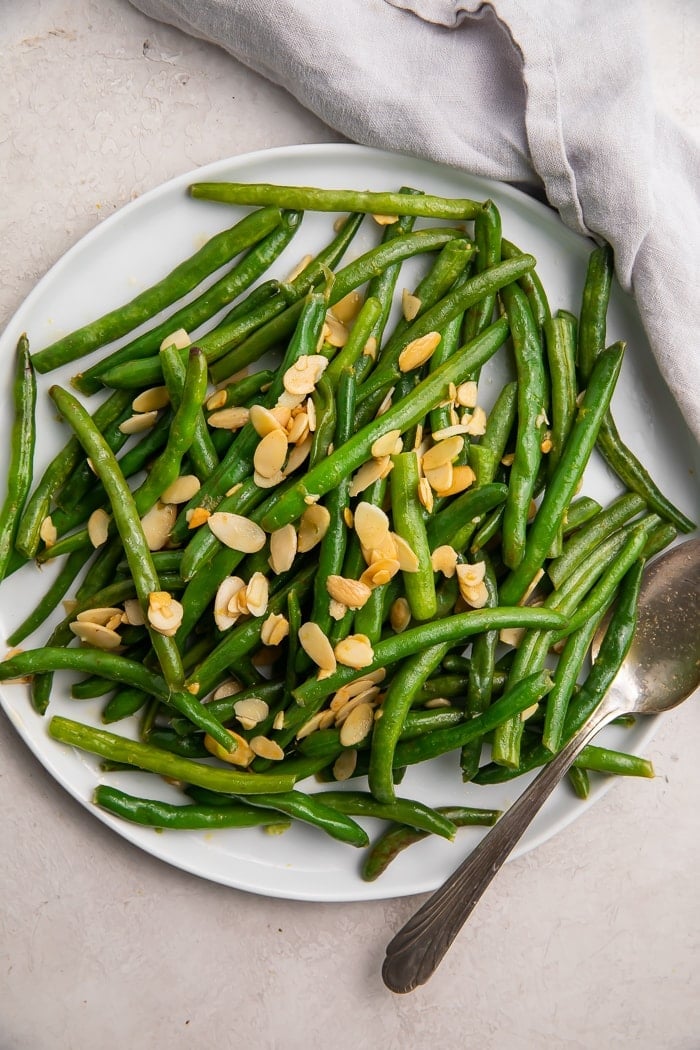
589	943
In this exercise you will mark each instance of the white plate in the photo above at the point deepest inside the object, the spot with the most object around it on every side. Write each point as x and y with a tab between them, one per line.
137	246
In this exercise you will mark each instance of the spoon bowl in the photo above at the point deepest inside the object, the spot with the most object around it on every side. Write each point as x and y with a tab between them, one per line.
660	670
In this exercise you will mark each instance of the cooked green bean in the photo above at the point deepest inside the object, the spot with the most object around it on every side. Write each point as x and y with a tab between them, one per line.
22	440
156	814
419	584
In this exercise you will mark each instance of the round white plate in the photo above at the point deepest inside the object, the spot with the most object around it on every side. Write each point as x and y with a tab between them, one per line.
140	244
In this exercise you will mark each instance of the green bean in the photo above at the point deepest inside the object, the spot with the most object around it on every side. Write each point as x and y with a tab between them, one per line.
559	344
532	405
152	759
566	675
22	441
409	525
154	813
579	781
587	538
481	672
201	450
398	837
410	676
532	286
594	308
89	661
402	810
452	524
217	251
406	413
607	760
305	198
567	475
51	598
91	687
312	809
218	295
124	703
487	236
324	404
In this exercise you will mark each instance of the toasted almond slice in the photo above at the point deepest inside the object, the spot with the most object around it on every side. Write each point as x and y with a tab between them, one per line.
181	490
476	425
348	517
232	418
370	348
386	403
418	351
466	394
278	721
98	527
406	556
335	331
151	400
436	702
226	609
263	420
133	613
297	456
410	304
298	429
310	726
101	615
470	575
367	696
380	572
216	400
441	478
388	444
95	634
311	414
304	374
444	560
299	268
347	308
512	636
136	424
48	532
351	593
452	431
274	630
385	220
463	477
179	339
336	610
283	548
371	525
268	483
315	644
357	725
508	459
367	474
354	651
282	414
197	516
399	615
242	754
266	748
157	524
345	763
270	453
476	596
257	594
442	452
229	688
164	612
425	494
313	526
237	532
252	709
531	587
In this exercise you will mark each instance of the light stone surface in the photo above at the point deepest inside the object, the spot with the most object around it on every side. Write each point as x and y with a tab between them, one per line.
589	943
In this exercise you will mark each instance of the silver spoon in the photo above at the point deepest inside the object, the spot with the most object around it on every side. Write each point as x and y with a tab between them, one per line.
661	669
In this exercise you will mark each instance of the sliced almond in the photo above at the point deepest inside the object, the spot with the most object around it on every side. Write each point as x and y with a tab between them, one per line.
466	394
282	414
197	516
138	423
257	594
48	532
226	611
367	474
311	725
229	688
232	418
347	308
335	331
371	525
410	304
252	709
399	615
297	456
274	630
442	452
345	764
271	453
370	348
441	478
512	636
457	429
311	414
283	548
336	609
315	644
181	490
385	220
313	526
268	483
237	532
418	351
386	403
357	726
95	634
179	339
133	613
367	696
299	268
351	593
469	575
463	477
157	524
406	556
380	572
164	612
217	400
304	374
444	560
354	651
388	444
98	527
425	494
278	721
242	754
476	596
101	615
266	748
476	424
298	428
263	420
151	400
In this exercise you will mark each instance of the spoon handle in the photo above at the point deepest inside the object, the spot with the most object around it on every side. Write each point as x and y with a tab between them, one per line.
417	949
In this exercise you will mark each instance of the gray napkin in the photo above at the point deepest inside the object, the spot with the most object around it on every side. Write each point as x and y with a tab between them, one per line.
556	96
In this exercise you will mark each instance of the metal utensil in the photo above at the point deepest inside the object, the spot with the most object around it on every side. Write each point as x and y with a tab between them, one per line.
661	669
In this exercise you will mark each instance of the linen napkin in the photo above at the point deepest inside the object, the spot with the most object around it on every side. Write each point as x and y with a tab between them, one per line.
554	97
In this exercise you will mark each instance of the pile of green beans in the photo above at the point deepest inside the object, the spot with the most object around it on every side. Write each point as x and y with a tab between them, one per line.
412	576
